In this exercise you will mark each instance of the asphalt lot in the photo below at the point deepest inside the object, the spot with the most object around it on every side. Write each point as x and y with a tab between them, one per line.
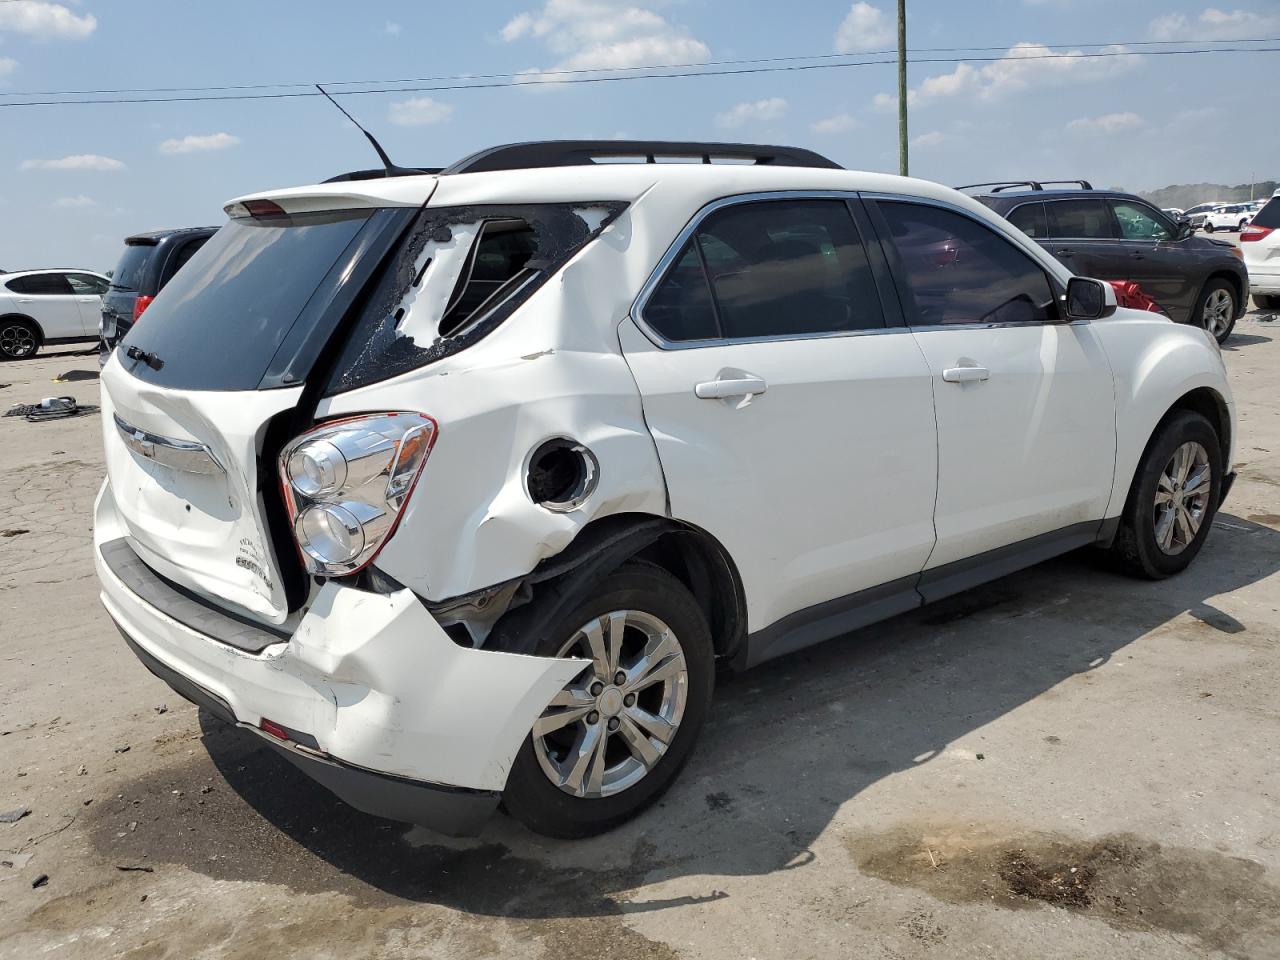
1062	764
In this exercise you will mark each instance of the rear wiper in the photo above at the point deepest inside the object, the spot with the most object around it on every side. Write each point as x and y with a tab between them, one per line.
150	359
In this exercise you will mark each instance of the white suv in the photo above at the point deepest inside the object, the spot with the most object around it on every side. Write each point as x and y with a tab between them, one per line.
453	488
1231	216
1260	244
48	306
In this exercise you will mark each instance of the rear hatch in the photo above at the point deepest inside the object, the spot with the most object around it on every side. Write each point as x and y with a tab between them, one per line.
199	388
126	282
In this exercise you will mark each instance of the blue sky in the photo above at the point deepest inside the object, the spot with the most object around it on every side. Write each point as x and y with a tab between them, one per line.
75	179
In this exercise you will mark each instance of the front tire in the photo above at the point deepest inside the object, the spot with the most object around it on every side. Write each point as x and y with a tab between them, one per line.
1208	227
617	736
19	338
1173	499
1215	311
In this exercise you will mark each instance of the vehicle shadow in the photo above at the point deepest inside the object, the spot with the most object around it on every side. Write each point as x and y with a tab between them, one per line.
1237	340
787	745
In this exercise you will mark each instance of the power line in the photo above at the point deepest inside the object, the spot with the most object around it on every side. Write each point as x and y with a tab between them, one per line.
790	68
310	85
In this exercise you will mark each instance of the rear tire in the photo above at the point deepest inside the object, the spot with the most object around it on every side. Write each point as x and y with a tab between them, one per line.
550	790
19	338
1153	541
1208	227
1215	311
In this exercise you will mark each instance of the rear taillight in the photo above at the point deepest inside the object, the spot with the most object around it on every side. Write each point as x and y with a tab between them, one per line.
258	209
1252	233
346	483
140	305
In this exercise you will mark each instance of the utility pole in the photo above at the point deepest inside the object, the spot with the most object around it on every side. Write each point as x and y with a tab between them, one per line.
902	87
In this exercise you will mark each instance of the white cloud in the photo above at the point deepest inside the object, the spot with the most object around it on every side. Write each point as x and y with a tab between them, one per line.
1107	123
771	108
418	111
7	66
39	18
71	203
1026	65
931	139
1214	24
604	35
391	28
199	143
865	28
78	161
839	123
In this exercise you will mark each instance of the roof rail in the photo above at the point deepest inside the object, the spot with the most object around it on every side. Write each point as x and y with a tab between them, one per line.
577	153
999	186
380	173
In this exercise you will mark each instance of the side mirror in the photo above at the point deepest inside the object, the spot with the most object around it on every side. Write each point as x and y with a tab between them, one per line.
1185	230
1089	299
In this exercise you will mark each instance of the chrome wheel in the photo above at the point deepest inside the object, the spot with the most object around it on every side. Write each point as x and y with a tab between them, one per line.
17	341
613	723
1219	309
1182	498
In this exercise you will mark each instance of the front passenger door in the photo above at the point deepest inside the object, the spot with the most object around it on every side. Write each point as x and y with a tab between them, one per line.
1159	265
1025	413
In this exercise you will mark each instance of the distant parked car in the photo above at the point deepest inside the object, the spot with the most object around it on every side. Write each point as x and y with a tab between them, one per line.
1260	244
39	307
1231	216
1175	213
1117	236
148	263
1197	213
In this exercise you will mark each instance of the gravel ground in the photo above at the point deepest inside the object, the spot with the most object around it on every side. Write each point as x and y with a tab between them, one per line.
1062	764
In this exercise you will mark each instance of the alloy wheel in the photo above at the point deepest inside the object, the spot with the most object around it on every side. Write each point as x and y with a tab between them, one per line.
17	341
1218	311
1182	497
614	722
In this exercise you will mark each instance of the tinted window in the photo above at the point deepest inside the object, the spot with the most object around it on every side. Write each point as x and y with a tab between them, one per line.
498	257
1140	222
42	284
1080	219
1030	219
680	308
217	327
1268	216
129	271
87	285
959	271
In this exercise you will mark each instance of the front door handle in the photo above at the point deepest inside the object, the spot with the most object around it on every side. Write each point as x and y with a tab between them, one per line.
727	389
1064	253
966	374
88	299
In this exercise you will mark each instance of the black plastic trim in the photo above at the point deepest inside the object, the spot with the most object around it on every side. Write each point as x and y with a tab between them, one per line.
183	687
1227	481
187	607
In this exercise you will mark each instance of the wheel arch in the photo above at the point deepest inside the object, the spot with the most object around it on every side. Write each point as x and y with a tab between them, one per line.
13	315
689	553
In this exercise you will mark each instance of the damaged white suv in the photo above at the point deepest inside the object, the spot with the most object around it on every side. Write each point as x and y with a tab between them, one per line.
454	487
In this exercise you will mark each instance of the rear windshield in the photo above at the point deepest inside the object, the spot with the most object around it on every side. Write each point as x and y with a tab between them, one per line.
1268	216
132	265
219	322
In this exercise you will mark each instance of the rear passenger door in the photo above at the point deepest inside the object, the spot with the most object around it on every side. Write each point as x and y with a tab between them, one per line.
792	412
1025	413
88	290
1083	235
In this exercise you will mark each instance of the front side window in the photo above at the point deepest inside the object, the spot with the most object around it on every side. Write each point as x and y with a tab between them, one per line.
778	268
1139	222
1079	220
42	285
958	271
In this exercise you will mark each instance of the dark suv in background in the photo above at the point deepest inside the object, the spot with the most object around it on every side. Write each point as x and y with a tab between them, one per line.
1117	236
149	262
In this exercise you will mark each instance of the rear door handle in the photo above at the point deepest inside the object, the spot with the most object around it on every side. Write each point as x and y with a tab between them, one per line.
27	300
727	389
966	374
1064	253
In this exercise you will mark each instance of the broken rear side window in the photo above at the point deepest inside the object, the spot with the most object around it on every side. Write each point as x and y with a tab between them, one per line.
459	273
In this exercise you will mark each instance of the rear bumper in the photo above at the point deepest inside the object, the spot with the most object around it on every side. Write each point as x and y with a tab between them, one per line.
1264	281
450	810
393	716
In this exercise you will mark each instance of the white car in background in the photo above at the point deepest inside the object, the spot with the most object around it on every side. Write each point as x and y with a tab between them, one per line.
453	488
1260	244
1231	216
48	306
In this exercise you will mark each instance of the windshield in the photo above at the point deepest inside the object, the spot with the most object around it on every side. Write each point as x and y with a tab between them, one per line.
132	264
219	322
